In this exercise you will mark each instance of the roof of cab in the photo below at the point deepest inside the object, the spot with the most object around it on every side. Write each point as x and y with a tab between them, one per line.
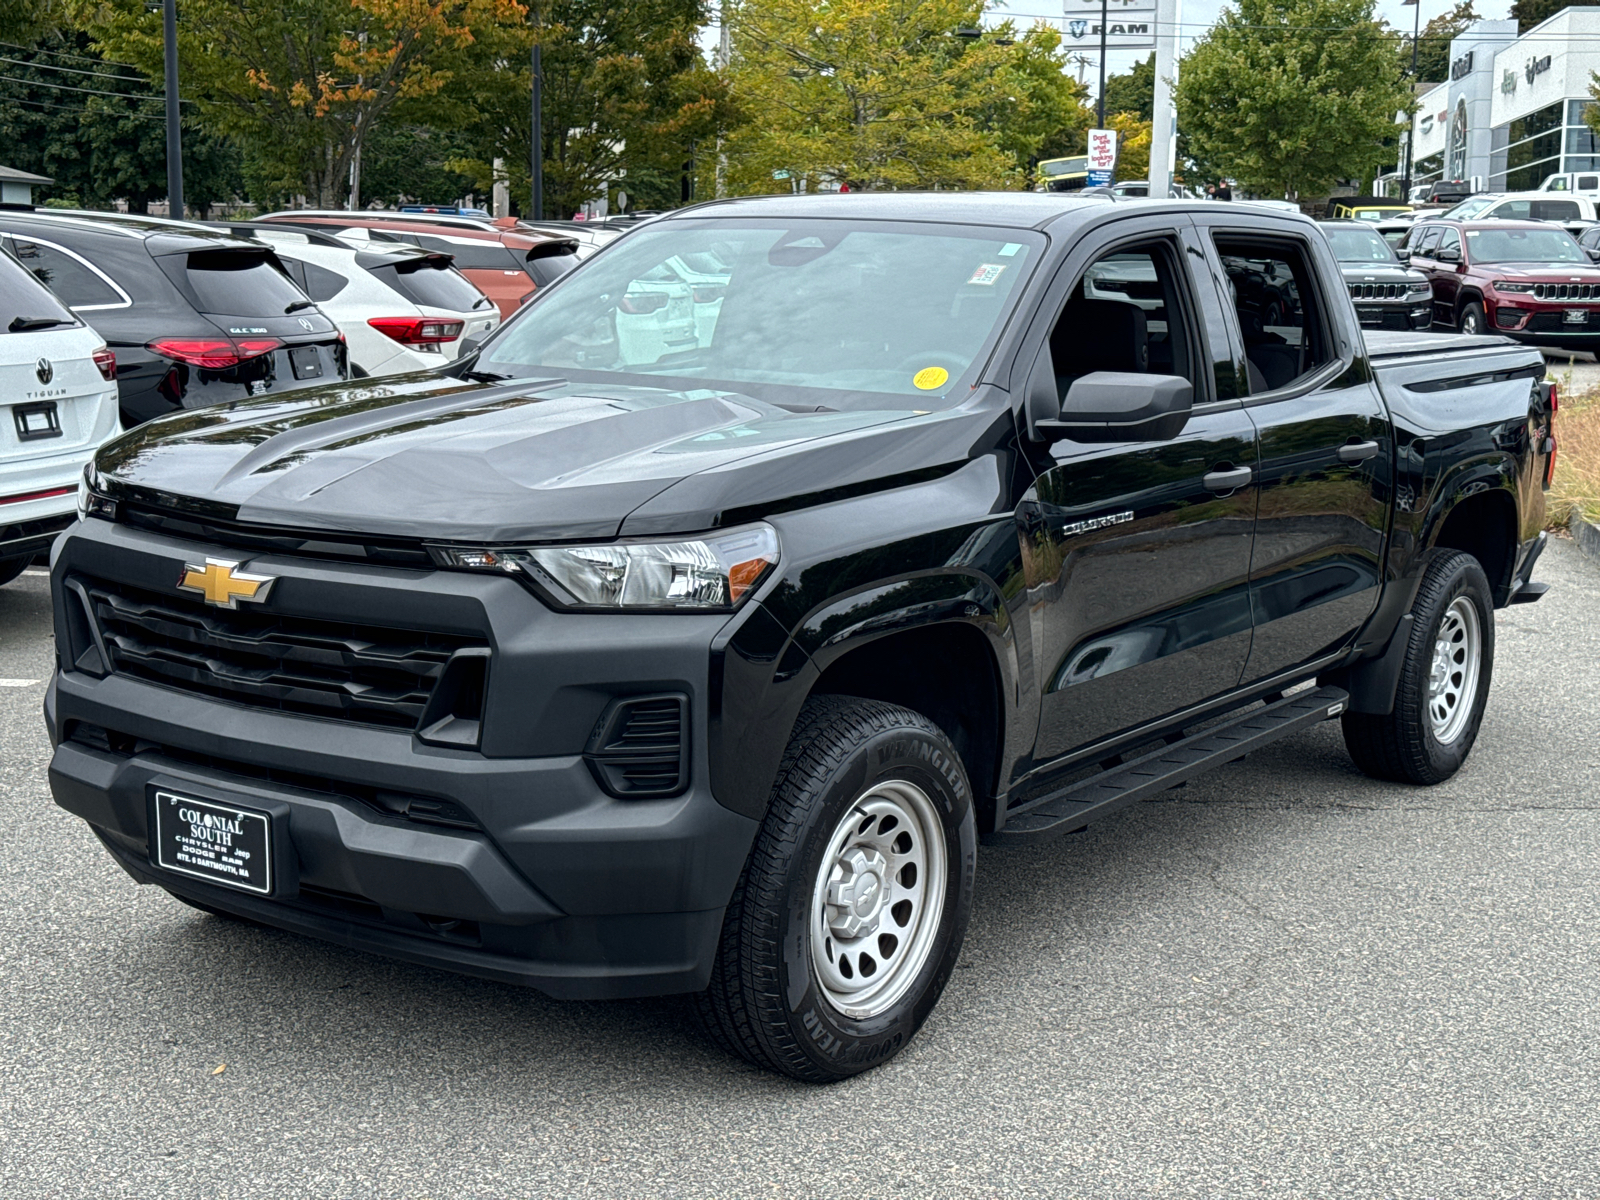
1018	210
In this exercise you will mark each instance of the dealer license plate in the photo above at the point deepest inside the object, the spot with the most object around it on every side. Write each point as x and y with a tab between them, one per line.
214	842
1575	316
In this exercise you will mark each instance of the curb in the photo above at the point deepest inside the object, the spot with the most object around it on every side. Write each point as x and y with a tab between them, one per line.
1586	535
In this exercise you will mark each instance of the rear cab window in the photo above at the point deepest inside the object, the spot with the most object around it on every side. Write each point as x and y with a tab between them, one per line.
1279	309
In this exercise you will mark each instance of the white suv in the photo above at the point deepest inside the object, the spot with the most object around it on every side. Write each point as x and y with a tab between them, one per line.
400	308
58	402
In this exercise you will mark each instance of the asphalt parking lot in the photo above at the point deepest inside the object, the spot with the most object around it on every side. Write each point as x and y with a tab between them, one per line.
1283	980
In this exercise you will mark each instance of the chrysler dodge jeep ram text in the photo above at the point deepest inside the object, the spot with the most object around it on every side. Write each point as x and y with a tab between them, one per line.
690	632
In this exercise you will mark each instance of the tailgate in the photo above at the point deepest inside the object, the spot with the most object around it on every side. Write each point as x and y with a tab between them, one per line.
49	405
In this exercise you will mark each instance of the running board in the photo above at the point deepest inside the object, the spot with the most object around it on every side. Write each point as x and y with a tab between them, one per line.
1070	809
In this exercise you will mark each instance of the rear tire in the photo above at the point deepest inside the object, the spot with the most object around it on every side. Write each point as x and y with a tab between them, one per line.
10	568
850	914
1444	681
1472	318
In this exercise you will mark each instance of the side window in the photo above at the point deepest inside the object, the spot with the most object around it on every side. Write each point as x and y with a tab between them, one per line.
1558	183
1129	312
1588	183
1554	210
1591	237
1429	241
1449	240
1280	314
70	279
296	270
321	283
1512	210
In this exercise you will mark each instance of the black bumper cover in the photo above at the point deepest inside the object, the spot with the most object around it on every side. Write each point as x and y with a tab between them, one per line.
562	887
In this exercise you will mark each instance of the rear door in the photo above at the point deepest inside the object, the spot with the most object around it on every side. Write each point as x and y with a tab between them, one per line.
1137	555
1422	242
1325	451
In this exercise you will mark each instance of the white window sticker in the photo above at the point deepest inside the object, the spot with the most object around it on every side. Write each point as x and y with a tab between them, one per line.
987	273
1009	249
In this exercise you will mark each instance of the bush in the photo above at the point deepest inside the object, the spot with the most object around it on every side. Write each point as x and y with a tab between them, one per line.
1576	487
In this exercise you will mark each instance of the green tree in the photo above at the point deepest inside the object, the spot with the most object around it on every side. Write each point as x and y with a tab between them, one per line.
886	93
629	103
1529	13
302	83
1289	96
1433	45
1134	92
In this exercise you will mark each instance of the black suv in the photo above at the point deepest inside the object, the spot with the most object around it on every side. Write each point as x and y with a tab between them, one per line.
194	316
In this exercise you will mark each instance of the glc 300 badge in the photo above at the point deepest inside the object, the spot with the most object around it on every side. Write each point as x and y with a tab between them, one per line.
223	584
1094	523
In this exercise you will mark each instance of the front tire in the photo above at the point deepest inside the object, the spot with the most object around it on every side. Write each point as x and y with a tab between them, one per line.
1444	680
850	914
1472	318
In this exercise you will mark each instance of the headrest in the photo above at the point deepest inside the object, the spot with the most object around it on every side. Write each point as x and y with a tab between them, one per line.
1099	335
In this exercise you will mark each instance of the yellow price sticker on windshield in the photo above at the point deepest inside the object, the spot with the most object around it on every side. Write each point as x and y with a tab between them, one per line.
930	377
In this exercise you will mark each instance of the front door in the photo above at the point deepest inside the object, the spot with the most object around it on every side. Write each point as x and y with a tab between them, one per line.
1325	457
1137	554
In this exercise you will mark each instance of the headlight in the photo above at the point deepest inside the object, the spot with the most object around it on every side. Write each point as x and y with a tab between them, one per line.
712	573
1500	285
92	501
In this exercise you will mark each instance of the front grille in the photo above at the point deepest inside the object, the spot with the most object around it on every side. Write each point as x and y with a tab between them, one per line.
1566	291
1379	291
370	675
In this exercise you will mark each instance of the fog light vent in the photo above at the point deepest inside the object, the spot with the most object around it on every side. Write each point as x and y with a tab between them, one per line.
640	747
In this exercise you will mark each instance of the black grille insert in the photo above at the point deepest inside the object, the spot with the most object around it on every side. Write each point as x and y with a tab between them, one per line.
371	675
640	747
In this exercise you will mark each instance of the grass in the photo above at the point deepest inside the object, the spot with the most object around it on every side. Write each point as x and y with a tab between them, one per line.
1576	487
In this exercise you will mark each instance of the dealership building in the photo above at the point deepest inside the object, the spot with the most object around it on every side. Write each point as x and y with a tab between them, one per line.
1511	113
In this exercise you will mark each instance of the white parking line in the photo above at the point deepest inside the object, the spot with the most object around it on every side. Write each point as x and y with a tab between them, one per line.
36	571
18	682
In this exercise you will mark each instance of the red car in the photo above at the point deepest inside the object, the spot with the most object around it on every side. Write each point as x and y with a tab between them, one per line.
1529	280
507	265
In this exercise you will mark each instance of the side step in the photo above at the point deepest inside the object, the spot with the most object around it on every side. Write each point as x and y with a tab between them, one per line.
1075	806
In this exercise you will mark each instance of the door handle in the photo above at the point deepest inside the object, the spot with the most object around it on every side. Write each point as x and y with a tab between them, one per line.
1354	452
1227	479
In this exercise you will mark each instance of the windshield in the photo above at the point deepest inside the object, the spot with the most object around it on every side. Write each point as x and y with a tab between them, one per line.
1352	244
1469	208
1524	245
879	311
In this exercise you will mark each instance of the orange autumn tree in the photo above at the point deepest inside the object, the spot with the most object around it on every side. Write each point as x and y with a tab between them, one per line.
303	82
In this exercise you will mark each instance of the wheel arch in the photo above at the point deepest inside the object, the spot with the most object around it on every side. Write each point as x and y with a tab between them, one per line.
1479	518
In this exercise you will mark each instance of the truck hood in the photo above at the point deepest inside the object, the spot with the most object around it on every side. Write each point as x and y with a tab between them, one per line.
1380	273
425	457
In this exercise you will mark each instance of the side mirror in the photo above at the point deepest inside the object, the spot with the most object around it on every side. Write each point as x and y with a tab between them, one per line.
1121	406
1403	255
1593	253
1448	254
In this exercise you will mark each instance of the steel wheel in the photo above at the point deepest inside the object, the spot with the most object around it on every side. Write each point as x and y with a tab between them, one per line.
878	895
1453	679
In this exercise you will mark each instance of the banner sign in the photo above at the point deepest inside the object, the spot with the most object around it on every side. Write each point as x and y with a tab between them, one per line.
1102	150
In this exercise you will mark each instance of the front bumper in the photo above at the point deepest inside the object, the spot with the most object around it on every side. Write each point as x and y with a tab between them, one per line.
550	882
1394	315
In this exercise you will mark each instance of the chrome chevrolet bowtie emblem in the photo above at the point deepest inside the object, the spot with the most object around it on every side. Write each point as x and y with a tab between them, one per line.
223	584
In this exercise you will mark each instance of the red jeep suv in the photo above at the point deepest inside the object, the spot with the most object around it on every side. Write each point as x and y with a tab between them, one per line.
1526	279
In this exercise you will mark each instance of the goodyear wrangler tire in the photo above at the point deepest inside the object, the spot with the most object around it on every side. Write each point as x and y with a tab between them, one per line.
1444	680
850	914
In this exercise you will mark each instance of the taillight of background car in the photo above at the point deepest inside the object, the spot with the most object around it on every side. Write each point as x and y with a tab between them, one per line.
107	362
424	333
213	354
643	302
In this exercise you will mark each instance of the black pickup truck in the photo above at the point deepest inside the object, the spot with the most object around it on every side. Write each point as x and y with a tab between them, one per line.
689	634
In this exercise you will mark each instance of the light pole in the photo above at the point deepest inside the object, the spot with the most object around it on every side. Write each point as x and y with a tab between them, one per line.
1100	100
169	34
1405	175
536	149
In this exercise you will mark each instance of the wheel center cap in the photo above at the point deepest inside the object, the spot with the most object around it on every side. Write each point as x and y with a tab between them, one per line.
856	898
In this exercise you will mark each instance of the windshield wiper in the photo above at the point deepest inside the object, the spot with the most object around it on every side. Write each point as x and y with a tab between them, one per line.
486	376
29	324
299	304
